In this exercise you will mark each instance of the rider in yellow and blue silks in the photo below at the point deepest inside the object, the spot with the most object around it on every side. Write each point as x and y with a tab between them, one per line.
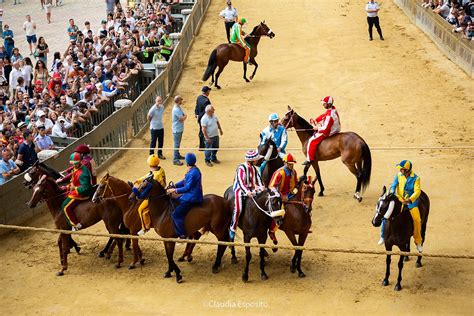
406	187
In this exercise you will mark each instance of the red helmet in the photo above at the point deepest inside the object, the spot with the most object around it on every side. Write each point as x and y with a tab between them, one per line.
75	158
328	99
82	149
289	158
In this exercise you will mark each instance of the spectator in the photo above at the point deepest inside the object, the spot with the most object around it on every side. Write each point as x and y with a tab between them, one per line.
372	8
229	15
42	51
60	128
42	140
26	152
30	32
442	9
27	72
14	75
48	4
211	128
155	116
178	118
166	46
16	56
7	167
201	103
41	75
43	121
1	20
72	30
8	40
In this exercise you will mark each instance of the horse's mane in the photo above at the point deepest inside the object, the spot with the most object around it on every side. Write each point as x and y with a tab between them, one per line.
254	29
305	125
49	171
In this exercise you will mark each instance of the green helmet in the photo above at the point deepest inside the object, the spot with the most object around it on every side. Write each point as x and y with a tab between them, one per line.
243	21
75	158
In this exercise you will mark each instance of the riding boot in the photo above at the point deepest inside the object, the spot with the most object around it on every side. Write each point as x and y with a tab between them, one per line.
306	163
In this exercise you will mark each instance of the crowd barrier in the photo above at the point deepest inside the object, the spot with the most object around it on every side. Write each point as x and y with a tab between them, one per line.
459	50
116	130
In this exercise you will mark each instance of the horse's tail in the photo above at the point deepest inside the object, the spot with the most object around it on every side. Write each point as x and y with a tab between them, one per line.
424	213
366	166
211	65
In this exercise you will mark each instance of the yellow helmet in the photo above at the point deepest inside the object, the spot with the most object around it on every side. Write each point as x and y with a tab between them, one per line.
153	161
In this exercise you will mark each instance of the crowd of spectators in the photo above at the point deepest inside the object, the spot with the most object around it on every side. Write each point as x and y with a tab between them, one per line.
458	13
42	96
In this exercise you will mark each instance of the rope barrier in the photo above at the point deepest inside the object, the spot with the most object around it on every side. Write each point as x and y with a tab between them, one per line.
237	244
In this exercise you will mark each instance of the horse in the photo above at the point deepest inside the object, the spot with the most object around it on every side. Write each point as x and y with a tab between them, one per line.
255	220
352	149
213	214
221	55
399	228
297	220
87	213
32	176
268	150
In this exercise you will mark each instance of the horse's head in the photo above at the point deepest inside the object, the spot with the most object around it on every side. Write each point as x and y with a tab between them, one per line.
289	119
267	148
307	192
41	191
271	199
103	189
32	175
384	207
265	30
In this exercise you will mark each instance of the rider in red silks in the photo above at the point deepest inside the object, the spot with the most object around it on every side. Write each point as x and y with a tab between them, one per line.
326	125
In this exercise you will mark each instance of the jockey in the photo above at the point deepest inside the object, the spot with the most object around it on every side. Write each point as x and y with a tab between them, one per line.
326	125
247	180
159	176
79	190
277	133
87	161
190	190
237	37
285	181
406	186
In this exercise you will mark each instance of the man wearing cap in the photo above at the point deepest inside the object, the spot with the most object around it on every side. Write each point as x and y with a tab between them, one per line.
166	45
200	109
26	152
60	128
406	187
159	176
155	116
229	15
237	37
247	182
7	167
43	141
277	133
43	121
190	191
79	189
325	125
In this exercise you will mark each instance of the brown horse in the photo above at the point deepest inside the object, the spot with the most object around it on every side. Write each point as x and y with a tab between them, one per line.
352	149
214	215
87	213
223	53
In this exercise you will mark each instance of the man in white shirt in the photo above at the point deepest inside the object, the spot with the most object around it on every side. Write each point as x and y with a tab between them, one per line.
30	32
14	75
43	121
60	128
229	15
372	8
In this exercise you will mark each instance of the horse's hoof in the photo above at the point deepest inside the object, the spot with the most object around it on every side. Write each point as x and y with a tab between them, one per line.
142	261
59	273
234	260
218	87
359	199
181	259
406	259
292	269
179	278
107	256
264	277
101	255
245	277
265	253
167	274
215	270
78	250
251	77
131	267
128	248
190	258
398	287
320	194
418	264
385	282
301	274
117	266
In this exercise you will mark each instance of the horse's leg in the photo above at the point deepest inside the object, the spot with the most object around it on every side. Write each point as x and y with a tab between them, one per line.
233	259
398	286
135	249
262	240
64	240
291	236
387	271
125	231
74	245
189	248
408	250
245	72
220	252
301	241
109	253
318	176
119	242
248	257
60	247
169	246
106	248
352	168
221	68
255	69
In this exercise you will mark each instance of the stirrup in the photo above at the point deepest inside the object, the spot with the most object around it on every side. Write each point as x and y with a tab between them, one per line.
306	163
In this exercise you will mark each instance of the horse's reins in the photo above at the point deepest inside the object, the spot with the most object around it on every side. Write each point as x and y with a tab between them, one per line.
266	212
260	35
113	197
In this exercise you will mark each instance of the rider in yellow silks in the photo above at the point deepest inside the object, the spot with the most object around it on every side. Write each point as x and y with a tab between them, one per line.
237	37
158	175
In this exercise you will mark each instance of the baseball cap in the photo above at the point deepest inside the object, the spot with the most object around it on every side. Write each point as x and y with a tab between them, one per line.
206	89
40	113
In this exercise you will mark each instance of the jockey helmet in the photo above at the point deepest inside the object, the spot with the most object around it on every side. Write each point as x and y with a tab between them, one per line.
82	149
190	159
405	164
289	158
243	21
75	158
252	155
153	161
273	117
328	99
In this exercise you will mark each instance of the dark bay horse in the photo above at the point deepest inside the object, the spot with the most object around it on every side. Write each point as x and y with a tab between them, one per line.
214	215
87	213
254	221
399	227
352	149
223	53
268	150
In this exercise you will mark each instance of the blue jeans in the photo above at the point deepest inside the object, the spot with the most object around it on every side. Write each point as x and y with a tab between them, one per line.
382	228
179	215
157	134
211	155
177	143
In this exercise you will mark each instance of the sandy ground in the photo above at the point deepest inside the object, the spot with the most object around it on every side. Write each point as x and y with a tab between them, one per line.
400	92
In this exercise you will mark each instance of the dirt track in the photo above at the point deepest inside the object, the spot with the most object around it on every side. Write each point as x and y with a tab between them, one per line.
380	87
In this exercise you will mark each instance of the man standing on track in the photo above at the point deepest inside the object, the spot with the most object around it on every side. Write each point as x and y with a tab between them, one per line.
372	8
200	109
229	15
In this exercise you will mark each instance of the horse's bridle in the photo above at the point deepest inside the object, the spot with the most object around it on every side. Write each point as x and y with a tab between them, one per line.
107	186
260	35
270	148
290	120
267	203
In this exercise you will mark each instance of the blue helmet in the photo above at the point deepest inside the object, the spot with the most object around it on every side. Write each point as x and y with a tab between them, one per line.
273	117
405	164
190	159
